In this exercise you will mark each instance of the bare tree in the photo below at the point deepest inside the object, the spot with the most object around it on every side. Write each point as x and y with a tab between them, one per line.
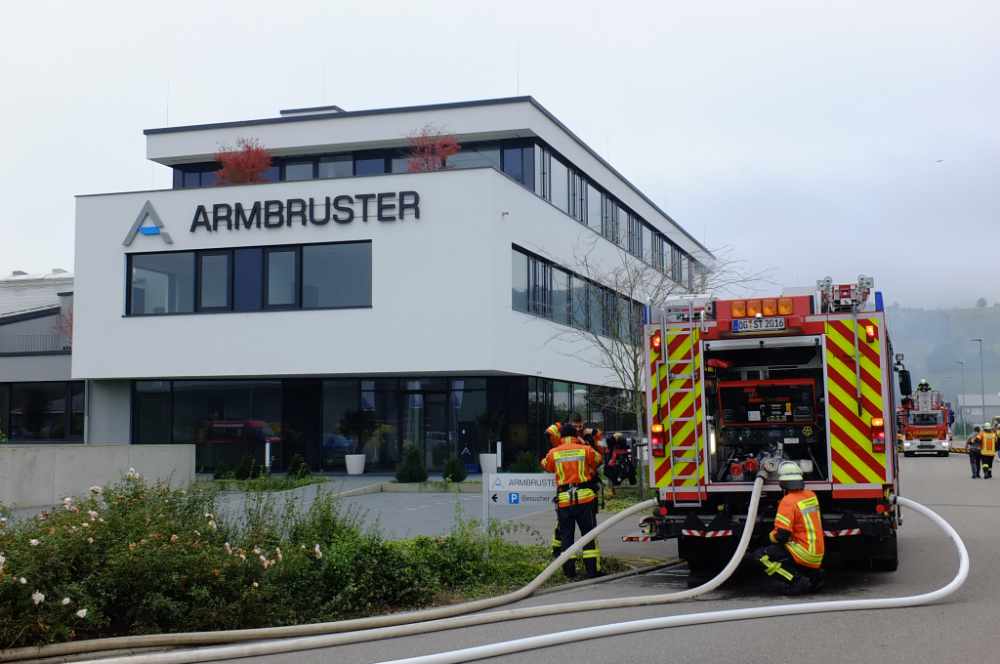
610	340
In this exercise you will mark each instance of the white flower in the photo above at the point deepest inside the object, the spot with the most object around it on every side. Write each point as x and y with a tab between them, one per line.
66	601
96	490
277	551
132	474
82	613
68	500
319	554
208	515
93	515
256	585
3	522
229	549
37	598
3	561
34	542
90	540
23	581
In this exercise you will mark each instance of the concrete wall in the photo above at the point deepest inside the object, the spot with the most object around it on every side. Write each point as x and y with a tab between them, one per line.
42	475
30	368
109	411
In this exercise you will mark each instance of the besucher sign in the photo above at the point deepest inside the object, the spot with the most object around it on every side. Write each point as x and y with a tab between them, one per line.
281	213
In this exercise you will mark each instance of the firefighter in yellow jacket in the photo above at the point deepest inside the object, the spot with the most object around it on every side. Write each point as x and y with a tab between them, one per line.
575	466
554	435
988	450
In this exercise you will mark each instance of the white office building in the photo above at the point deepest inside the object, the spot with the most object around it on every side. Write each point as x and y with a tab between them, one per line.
350	305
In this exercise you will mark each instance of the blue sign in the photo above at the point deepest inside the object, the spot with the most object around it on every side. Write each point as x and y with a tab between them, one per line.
513	498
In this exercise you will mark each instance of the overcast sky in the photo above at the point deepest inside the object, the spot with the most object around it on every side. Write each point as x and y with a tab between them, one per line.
812	137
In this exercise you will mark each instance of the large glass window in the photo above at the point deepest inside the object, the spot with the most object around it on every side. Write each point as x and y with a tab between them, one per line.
539	287
213	275
675	264
579	300
577	197
152	420
580	401
337	275
299	170
162	283
559	180
609	219
248	279
596	300
594	216
4	412
345	424
519	281
281	267
519	164
561	404
369	165
473	155
560	296
647	243
38	411
339	166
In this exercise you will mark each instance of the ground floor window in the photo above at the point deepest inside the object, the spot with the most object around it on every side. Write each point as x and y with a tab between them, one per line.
43	412
325	420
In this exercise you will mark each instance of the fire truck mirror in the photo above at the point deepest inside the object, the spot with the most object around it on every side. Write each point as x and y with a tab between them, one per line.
905	387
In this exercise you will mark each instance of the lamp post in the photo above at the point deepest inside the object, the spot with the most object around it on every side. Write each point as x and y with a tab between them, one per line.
961	409
982	378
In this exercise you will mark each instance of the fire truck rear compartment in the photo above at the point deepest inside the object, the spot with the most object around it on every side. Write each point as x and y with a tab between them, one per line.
765	403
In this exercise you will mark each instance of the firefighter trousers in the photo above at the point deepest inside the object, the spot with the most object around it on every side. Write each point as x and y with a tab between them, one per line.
584	517
976	461
987	466
782	574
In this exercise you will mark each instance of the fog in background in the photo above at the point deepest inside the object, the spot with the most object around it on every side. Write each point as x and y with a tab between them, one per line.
815	138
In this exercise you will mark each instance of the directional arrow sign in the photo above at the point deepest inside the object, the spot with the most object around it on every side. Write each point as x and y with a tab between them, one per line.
495	498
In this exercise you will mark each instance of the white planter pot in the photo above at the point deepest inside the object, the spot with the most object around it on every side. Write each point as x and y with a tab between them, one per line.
355	464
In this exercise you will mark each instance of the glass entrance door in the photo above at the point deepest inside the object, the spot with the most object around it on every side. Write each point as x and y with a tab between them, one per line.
425	425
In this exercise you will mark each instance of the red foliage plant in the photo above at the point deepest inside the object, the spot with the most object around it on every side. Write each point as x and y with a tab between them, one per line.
245	164
430	149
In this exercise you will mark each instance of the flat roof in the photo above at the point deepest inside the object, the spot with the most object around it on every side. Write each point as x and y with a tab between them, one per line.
304	116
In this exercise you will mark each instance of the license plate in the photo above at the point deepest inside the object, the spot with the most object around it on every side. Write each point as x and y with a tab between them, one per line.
925	447
758	324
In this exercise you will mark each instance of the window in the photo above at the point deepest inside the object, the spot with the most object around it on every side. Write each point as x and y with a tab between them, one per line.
685	271
281	268
580	392
560	401
579	301
4	410
345	425
559	182
597	305
675	264
45	412
577	197
594	215
539	286
161	283
474	155
634	226
624	217
299	170
248	279
214	279
337	275
519	281
399	163
609	219
647	243
560	296
658	254
540	157
518	162
151	423
339	166
369	165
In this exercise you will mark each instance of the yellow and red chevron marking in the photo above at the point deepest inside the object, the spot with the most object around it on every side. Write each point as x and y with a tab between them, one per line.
679	409
851	408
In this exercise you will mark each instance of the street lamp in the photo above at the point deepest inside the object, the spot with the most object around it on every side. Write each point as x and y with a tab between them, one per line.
982	377
961	410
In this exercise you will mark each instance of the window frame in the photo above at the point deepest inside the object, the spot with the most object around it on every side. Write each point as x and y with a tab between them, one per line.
199	255
301	275
130	268
296	251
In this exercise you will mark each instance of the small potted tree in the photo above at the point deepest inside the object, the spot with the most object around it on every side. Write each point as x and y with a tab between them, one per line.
245	164
358	425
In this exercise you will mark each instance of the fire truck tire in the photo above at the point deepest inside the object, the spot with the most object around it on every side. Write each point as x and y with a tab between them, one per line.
885	556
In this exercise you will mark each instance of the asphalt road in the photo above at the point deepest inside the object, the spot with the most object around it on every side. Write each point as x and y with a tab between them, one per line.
964	629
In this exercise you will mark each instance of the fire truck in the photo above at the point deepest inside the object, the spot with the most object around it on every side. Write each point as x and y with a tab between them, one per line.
924	422
736	386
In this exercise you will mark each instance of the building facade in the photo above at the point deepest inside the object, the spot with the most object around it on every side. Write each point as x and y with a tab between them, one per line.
349	305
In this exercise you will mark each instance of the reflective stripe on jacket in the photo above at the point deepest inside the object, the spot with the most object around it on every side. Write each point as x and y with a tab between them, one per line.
573	463
798	513
988	439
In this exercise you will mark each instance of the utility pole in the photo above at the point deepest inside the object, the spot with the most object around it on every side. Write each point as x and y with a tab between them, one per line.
961	410
982	378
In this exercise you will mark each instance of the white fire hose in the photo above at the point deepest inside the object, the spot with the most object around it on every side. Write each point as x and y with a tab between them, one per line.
396	625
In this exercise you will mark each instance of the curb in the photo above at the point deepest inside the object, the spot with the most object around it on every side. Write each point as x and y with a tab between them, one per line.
611	577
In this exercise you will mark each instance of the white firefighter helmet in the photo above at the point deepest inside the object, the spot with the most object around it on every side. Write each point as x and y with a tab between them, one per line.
987	426
790	476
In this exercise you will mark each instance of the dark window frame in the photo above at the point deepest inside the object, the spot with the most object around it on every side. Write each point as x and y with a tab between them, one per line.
297	270
129	267
199	255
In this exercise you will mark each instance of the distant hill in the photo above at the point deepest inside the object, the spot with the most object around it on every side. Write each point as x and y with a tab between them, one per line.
933	340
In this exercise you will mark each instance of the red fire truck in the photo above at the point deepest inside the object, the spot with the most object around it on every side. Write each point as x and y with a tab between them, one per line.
739	385
924	422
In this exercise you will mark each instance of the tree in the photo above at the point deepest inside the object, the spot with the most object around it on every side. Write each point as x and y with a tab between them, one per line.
430	149
358	425
617	350
245	164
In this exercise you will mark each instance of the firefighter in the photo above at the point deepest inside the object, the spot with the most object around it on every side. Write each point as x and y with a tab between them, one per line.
595	438
553	432
974	445
575	466
792	562
988	450
923	386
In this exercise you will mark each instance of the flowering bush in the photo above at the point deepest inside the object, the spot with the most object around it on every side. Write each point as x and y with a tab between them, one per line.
137	558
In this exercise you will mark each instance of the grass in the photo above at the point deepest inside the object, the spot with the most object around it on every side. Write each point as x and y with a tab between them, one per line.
267	483
625	497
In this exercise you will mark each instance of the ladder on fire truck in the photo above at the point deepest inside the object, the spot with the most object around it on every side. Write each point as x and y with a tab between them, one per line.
682	314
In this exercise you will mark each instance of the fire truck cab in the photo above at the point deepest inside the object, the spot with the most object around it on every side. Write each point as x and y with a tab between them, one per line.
736	386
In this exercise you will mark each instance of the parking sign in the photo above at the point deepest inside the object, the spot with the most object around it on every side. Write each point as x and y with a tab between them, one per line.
513	498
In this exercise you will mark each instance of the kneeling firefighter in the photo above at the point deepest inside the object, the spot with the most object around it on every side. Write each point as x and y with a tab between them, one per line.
575	466
792	562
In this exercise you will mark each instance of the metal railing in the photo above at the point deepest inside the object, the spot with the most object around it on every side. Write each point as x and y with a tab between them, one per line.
34	343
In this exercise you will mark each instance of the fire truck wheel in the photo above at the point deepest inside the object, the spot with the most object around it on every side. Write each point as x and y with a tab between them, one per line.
885	556
908	454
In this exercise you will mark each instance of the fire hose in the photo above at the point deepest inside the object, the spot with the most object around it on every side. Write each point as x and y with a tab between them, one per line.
419	622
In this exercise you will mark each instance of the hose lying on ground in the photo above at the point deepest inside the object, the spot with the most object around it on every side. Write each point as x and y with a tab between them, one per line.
631	627
408	628
312	629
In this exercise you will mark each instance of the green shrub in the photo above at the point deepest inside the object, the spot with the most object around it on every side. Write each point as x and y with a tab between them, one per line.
140	559
454	470
526	462
411	468
223	472
247	469
297	467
